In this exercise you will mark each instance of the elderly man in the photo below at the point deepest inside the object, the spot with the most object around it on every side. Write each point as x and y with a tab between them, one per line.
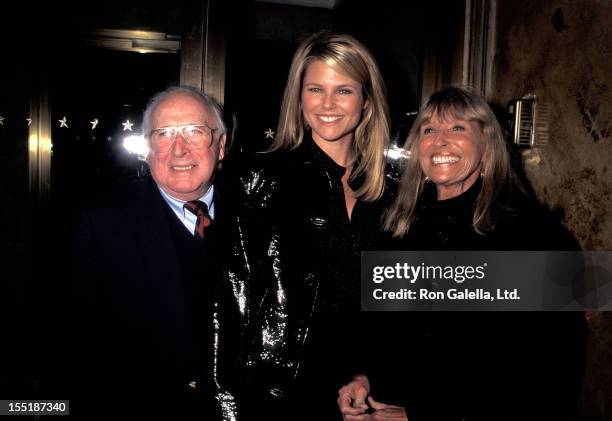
147	274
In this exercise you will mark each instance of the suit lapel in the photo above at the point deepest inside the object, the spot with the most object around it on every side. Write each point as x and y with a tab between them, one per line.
155	240
160	261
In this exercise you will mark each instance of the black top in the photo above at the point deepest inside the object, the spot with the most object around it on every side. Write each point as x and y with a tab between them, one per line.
480	365
317	226
522	224
299	253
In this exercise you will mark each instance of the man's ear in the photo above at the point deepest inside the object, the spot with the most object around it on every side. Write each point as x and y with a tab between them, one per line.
222	140
147	157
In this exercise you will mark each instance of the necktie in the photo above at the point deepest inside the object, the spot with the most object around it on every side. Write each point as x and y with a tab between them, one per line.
201	211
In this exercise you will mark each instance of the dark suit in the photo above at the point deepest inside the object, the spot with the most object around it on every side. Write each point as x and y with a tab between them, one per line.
142	300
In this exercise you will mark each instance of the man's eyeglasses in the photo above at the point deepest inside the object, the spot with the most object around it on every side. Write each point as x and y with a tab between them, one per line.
197	136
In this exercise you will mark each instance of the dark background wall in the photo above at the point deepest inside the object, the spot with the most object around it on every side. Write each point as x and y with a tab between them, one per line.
263	38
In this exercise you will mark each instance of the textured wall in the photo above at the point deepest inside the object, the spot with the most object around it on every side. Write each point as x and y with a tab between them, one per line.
561	51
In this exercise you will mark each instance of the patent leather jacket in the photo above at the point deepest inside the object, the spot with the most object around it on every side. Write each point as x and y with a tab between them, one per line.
294	252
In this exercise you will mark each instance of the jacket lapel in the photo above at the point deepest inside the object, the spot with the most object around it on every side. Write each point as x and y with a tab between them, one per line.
163	273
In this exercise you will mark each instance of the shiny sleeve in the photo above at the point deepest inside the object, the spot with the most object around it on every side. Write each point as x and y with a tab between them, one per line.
256	278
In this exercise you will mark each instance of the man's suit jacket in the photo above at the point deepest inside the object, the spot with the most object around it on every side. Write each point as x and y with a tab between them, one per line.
145	336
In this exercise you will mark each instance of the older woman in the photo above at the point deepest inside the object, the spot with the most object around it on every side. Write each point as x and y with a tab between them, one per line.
308	207
459	192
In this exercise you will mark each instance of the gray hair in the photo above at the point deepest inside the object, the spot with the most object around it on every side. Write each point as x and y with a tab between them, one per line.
207	101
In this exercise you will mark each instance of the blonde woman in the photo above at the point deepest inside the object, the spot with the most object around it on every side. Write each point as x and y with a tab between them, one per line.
308	207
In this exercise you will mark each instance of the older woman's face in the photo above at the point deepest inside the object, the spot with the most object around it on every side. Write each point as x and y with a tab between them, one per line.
450	154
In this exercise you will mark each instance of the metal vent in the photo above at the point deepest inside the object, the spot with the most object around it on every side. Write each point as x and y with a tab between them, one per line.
531	122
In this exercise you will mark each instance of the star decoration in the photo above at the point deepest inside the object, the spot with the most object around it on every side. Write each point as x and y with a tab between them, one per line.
2	120
127	125
94	123
63	123
29	120
269	134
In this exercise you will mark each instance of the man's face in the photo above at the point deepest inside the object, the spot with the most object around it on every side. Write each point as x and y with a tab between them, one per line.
183	172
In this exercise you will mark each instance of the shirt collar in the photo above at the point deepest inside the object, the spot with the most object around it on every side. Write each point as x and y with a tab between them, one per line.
177	205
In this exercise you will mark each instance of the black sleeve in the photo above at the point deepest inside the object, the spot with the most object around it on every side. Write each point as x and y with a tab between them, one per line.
252	277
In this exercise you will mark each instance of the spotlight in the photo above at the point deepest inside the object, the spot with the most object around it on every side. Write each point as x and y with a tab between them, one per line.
136	144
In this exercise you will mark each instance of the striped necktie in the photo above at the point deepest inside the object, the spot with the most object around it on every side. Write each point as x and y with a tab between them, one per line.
200	209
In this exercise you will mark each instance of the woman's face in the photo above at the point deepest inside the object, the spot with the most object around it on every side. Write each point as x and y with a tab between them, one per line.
450	152
331	102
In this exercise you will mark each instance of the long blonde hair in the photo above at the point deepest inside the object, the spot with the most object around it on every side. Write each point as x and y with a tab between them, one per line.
348	56
496	172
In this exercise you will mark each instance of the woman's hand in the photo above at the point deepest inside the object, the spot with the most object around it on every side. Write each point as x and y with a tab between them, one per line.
353	406
352	397
384	412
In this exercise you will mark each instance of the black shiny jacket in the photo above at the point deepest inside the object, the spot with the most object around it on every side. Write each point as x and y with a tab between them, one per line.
294	252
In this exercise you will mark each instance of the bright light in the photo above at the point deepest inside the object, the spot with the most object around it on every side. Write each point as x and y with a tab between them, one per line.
136	144
397	153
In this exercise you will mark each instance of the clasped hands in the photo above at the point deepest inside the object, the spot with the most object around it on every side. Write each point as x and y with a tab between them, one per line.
352	399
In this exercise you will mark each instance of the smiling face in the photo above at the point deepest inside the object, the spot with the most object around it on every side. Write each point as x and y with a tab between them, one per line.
450	154
182	172
332	104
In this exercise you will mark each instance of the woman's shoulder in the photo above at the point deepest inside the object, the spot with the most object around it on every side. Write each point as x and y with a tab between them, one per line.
255	179
257	166
535	225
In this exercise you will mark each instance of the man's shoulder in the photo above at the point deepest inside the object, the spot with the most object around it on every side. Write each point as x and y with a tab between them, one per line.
121	198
